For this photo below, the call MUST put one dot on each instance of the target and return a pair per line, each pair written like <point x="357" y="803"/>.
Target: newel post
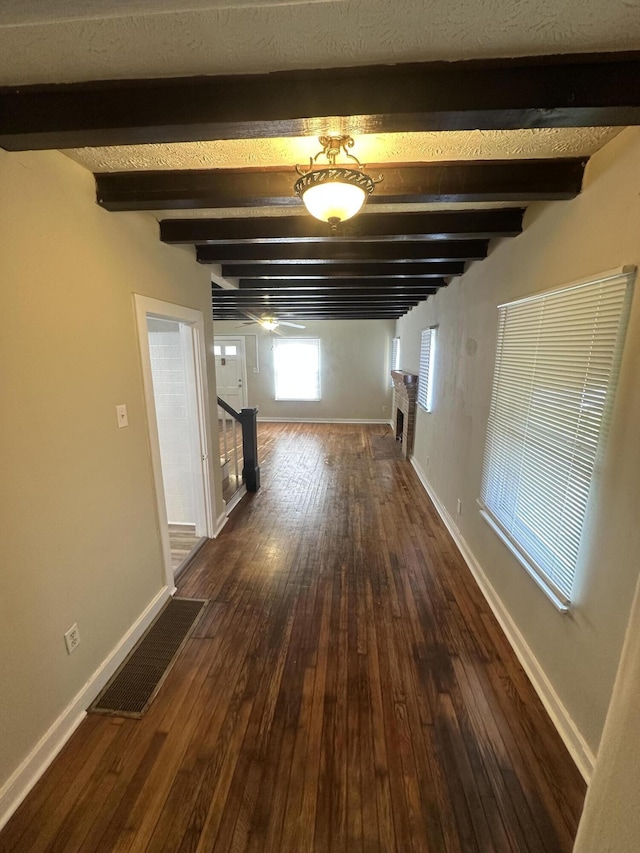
<point x="251" y="469"/>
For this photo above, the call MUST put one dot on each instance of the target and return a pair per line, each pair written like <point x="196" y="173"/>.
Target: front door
<point x="230" y="371"/>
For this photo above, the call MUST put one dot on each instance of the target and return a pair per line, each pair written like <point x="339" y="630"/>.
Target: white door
<point x="230" y="370"/>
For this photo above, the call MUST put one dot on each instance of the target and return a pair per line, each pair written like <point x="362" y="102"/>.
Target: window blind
<point x="425" y="370"/>
<point x="297" y="368"/>
<point x="556" y="366"/>
<point x="395" y="357"/>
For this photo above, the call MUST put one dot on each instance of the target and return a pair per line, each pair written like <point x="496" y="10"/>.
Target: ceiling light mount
<point x="336" y="193"/>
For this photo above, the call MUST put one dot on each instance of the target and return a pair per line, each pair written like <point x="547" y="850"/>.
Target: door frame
<point x="146" y="307"/>
<point x="243" y="348"/>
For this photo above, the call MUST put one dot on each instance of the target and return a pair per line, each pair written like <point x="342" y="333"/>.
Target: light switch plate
<point x="123" y="418"/>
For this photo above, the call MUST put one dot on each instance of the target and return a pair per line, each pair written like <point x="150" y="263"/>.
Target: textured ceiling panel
<point x="17" y="12"/>
<point x="380" y="148"/>
<point x="310" y="35"/>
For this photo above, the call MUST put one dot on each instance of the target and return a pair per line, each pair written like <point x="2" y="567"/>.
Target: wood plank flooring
<point x="347" y="690"/>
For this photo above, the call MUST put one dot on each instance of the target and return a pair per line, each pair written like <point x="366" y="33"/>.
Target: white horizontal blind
<point x="395" y="357"/>
<point x="425" y="371"/>
<point x="556" y="366"/>
<point x="297" y="368"/>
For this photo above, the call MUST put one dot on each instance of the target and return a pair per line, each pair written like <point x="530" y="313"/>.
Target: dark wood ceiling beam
<point x="455" y="181"/>
<point x="545" y="91"/>
<point x="275" y="271"/>
<point x="329" y="284"/>
<point x="330" y="253"/>
<point x="320" y="315"/>
<point x="431" y="225"/>
<point x="294" y="305"/>
<point x="334" y="293"/>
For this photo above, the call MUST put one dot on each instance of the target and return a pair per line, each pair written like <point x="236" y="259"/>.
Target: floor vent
<point x="133" y="687"/>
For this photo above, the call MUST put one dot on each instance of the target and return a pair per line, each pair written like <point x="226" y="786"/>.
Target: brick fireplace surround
<point x="405" y="387"/>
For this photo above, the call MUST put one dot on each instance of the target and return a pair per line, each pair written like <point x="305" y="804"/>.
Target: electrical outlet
<point x="72" y="638"/>
<point x="459" y="507"/>
<point x="384" y="410"/>
<point x="426" y="462"/>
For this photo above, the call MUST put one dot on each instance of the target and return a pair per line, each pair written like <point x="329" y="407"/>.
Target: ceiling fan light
<point x="269" y="324"/>
<point x="334" y="200"/>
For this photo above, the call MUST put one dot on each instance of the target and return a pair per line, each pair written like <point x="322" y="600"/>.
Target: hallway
<point x="348" y="689"/>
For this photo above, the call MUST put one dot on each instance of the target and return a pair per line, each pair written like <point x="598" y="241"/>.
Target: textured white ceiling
<point x="374" y="148"/>
<point x="314" y="34"/>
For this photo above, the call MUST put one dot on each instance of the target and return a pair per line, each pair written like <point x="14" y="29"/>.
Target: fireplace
<point x="405" y="391"/>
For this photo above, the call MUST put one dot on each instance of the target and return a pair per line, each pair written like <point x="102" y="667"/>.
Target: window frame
<point x="558" y="356"/>
<point x="425" y="387"/>
<point x="284" y="341"/>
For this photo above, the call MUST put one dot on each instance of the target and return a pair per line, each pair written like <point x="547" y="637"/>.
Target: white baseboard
<point x="324" y="420"/>
<point x="566" y="727"/>
<point x="34" y="765"/>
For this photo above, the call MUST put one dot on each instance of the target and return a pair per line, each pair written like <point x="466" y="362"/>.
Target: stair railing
<point x="248" y="420"/>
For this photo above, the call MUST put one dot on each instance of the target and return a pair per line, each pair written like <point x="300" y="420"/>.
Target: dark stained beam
<point x="320" y="315"/>
<point x="277" y="298"/>
<point x="455" y="181"/>
<point x="272" y="271"/>
<point x="330" y="253"/>
<point x="554" y="91"/>
<point x="431" y="225"/>
<point x="328" y="284"/>
<point x="337" y="300"/>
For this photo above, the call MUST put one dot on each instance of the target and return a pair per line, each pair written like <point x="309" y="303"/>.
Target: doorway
<point x="231" y="383"/>
<point x="172" y="350"/>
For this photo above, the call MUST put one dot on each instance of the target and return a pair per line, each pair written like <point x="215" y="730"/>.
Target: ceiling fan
<point x="270" y="323"/>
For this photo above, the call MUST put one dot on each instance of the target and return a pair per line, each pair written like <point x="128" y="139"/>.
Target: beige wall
<point x="562" y="242"/>
<point x="354" y="362"/>
<point x="80" y="541"/>
<point x="611" y="817"/>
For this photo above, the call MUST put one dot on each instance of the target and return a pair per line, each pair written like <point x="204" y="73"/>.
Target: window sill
<point x="557" y="602"/>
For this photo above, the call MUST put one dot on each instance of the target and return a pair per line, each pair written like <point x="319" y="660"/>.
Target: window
<point x="395" y="357"/>
<point x="217" y="349"/>
<point x="297" y="368"/>
<point x="556" y="366"/>
<point x="425" y="371"/>
<point x="231" y="350"/>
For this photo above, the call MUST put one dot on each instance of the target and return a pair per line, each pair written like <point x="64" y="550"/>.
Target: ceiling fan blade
<point x="293" y="325"/>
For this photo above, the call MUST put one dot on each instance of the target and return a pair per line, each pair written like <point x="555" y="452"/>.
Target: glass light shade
<point x="333" y="200"/>
<point x="270" y="325"/>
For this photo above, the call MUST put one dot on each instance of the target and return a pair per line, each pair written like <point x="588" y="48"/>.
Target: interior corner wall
<point x="80" y="536"/>
<point x="354" y="369"/>
<point x="562" y="242"/>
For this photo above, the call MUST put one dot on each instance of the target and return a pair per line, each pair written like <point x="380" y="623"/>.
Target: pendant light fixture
<point x="336" y="193"/>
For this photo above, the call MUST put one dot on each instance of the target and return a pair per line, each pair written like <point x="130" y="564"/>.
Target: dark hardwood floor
<point x="348" y="689"/>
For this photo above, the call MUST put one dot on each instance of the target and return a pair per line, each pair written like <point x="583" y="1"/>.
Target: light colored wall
<point x="354" y="362"/>
<point x="173" y="416"/>
<point x="611" y="818"/>
<point x="80" y="539"/>
<point x="561" y="242"/>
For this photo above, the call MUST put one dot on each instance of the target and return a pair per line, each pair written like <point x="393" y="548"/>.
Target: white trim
<point x="38" y="760"/>
<point x="565" y="726"/>
<point x="235" y="499"/>
<point x="220" y="523"/>
<point x="279" y="420"/>
<point x="146" y="307"/>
